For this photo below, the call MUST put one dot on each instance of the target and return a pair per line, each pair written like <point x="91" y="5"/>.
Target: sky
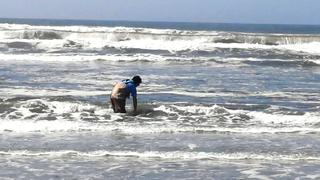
<point x="215" y="11"/>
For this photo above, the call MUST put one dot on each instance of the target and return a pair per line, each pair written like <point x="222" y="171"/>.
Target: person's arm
<point x="135" y="104"/>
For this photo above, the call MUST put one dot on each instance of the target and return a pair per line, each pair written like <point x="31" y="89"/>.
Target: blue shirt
<point x="132" y="87"/>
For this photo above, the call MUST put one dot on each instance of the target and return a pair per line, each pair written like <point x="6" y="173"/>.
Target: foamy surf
<point x="80" y="43"/>
<point x="175" y="155"/>
<point x="43" y="116"/>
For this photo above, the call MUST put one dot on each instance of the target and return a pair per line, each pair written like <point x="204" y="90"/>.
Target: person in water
<point x="121" y="91"/>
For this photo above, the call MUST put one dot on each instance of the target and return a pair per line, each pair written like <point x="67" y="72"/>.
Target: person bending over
<point x="121" y="91"/>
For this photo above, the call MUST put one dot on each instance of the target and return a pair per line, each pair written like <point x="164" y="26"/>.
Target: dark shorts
<point x="118" y="105"/>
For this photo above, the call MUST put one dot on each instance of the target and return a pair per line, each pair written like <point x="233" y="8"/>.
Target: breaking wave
<point x="36" y="115"/>
<point x="102" y="36"/>
<point x="82" y="43"/>
<point x="176" y="155"/>
<point x="125" y="34"/>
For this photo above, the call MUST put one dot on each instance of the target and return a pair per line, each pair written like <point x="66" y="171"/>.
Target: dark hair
<point x="137" y="80"/>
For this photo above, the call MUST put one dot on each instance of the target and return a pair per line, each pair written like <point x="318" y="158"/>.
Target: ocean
<point x="217" y="101"/>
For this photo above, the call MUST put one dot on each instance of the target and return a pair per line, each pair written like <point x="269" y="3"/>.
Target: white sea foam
<point x="91" y="57"/>
<point x="39" y="115"/>
<point x="306" y="120"/>
<point x="55" y="106"/>
<point x="44" y="126"/>
<point x="83" y="29"/>
<point x="54" y="37"/>
<point x="10" y="92"/>
<point x="312" y="47"/>
<point x="177" y="155"/>
<point x="137" y="57"/>
<point x="52" y="126"/>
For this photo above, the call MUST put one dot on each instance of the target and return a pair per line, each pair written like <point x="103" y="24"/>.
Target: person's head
<point x="137" y="80"/>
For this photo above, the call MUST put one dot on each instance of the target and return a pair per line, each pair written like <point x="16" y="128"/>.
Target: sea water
<point x="218" y="101"/>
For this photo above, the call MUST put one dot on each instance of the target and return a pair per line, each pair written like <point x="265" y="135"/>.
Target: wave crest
<point x="38" y="115"/>
<point x="46" y="35"/>
<point x="178" y="155"/>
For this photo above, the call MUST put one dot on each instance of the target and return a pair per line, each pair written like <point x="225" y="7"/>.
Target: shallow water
<point x="197" y="121"/>
<point x="227" y="113"/>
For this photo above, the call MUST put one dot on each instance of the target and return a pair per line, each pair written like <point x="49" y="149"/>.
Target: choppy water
<point x="213" y="104"/>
